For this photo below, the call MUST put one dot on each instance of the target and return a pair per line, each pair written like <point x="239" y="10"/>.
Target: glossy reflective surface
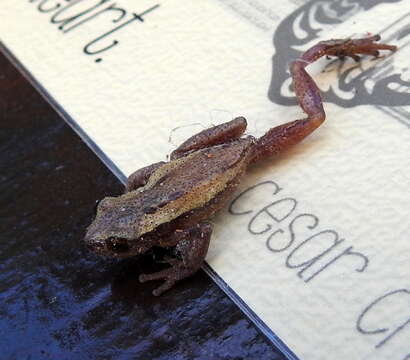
<point x="59" y="301"/>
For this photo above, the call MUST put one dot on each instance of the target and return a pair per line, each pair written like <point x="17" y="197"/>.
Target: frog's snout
<point x="95" y="245"/>
<point x="112" y="246"/>
<point x="93" y="242"/>
<point x="117" y="245"/>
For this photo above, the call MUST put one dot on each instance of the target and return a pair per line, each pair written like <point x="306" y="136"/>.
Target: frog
<point x="170" y="204"/>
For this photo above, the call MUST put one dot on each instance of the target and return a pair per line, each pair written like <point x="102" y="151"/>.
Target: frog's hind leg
<point x="140" y="177"/>
<point x="192" y="247"/>
<point x="219" y="134"/>
<point x="308" y="94"/>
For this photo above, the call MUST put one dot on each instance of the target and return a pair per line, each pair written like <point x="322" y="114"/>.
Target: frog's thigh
<point x="194" y="244"/>
<point x="140" y="177"/>
<point x="219" y="134"/>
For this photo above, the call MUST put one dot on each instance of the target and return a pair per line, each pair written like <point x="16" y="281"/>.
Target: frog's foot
<point x="171" y="276"/>
<point x="355" y="47"/>
<point x="192" y="246"/>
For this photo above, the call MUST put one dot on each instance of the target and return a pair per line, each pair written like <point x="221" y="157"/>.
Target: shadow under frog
<point x="311" y="19"/>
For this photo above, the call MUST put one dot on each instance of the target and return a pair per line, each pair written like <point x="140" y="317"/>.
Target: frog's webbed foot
<point x="192" y="247"/>
<point x="355" y="47"/>
<point x="140" y="177"/>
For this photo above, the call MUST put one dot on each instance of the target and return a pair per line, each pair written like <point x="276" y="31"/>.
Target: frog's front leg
<point x="219" y="134"/>
<point x="192" y="247"/>
<point x="140" y="177"/>
<point x="308" y="94"/>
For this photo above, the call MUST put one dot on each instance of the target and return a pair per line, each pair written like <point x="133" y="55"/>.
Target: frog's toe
<point x="170" y="275"/>
<point x="163" y="274"/>
<point x="164" y="287"/>
<point x="355" y="47"/>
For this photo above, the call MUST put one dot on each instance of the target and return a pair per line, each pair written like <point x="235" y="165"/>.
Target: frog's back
<point x="190" y="182"/>
<point x="202" y="165"/>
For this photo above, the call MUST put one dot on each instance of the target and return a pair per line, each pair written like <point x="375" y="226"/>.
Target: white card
<point x="316" y="242"/>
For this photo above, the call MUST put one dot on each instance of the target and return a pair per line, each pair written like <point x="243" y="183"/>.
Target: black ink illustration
<point x="387" y="84"/>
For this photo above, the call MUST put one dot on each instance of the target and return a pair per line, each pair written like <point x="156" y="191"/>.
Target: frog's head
<point x="116" y="229"/>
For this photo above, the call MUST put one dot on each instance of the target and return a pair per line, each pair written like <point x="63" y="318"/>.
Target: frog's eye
<point x="117" y="245"/>
<point x="96" y="206"/>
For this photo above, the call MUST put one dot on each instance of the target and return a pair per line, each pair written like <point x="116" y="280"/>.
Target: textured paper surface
<point x="316" y="242"/>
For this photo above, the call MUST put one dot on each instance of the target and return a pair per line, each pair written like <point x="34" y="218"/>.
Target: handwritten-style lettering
<point x="70" y="15"/>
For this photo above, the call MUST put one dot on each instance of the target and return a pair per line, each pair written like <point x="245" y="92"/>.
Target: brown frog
<point x="167" y="204"/>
